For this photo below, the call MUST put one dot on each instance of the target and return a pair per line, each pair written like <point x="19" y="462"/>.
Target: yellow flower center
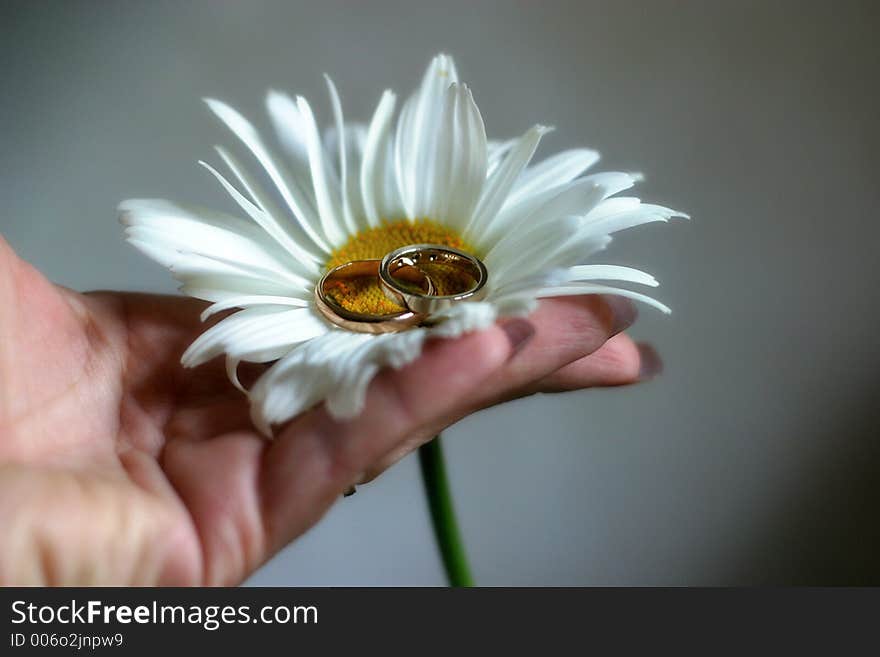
<point x="363" y="295"/>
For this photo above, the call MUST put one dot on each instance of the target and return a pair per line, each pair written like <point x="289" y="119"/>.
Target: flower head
<point x="430" y="176"/>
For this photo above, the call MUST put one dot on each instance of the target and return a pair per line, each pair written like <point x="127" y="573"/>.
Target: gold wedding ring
<point x="411" y="278"/>
<point x="464" y="277"/>
<point x="420" y="278"/>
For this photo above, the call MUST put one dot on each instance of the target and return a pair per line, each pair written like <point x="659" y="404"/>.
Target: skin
<point x="118" y="466"/>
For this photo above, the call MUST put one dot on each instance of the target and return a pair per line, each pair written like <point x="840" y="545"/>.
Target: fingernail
<point x="519" y="332"/>
<point x="623" y="312"/>
<point x="651" y="363"/>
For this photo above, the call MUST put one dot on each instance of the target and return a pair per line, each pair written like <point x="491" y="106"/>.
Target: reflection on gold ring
<point x="425" y="256"/>
<point x="334" y="312"/>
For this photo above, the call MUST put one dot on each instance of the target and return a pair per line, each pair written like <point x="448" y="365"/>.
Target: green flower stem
<point x="443" y="515"/>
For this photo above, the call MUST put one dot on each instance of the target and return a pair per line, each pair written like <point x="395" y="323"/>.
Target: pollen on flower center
<point x="364" y="295"/>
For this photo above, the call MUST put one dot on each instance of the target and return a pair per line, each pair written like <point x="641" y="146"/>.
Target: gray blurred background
<point x="752" y="460"/>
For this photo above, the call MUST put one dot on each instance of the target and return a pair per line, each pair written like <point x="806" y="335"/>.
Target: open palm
<point x="117" y="466"/>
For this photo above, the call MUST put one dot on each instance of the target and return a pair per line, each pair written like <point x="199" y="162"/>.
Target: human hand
<point x="118" y="466"/>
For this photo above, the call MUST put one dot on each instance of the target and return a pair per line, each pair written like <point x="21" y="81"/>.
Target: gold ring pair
<point x="403" y="275"/>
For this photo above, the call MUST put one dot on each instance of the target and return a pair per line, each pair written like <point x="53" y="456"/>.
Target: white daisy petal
<point x="580" y="248"/>
<point x="455" y="175"/>
<point x="590" y="288"/>
<point x="464" y="318"/>
<point x="556" y="170"/>
<point x="293" y="194"/>
<point x="291" y="130"/>
<point x="417" y="133"/>
<point x="250" y="300"/>
<point x="346" y="399"/>
<point x="137" y="210"/>
<point x="189" y="236"/>
<point x="300" y="379"/>
<point x="351" y="224"/>
<point x="193" y="242"/>
<point x="434" y="194"/>
<point x="616" y="214"/>
<point x="166" y="216"/>
<point x="210" y="258"/>
<point x="576" y="198"/>
<point x="577" y="273"/>
<point x="232" y="373"/>
<point x="380" y="196"/>
<point x="468" y="168"/>
<point x="258" y="334"/>
<point x="571" y="245"/>
<point x="328" y="203"/>
<point x="502" y="179"/>
<point x="522" y="252"/>
<point x="513" y="306"/>
<point x="272" y="341"/>
<point x="496" y="152"/>
<point x="611" y="273"/>
<point x="347" y="396"/>
<point x="164" y="256"/>
<point x="214" y="341"/>
<point x="403" y="145"/>
<point x="266" y="221"/>
<point x="272" y="219"/>
<point x="355" y="141"/>
<point x="218" y="287"/>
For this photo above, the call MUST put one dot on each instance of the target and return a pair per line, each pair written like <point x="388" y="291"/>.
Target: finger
<point x="316" y="457"/>
<point x="620" y="361"/>
<point x="567" y="330"/>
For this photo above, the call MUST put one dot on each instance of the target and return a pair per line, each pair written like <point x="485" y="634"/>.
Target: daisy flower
<point x="359" y="192"/>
